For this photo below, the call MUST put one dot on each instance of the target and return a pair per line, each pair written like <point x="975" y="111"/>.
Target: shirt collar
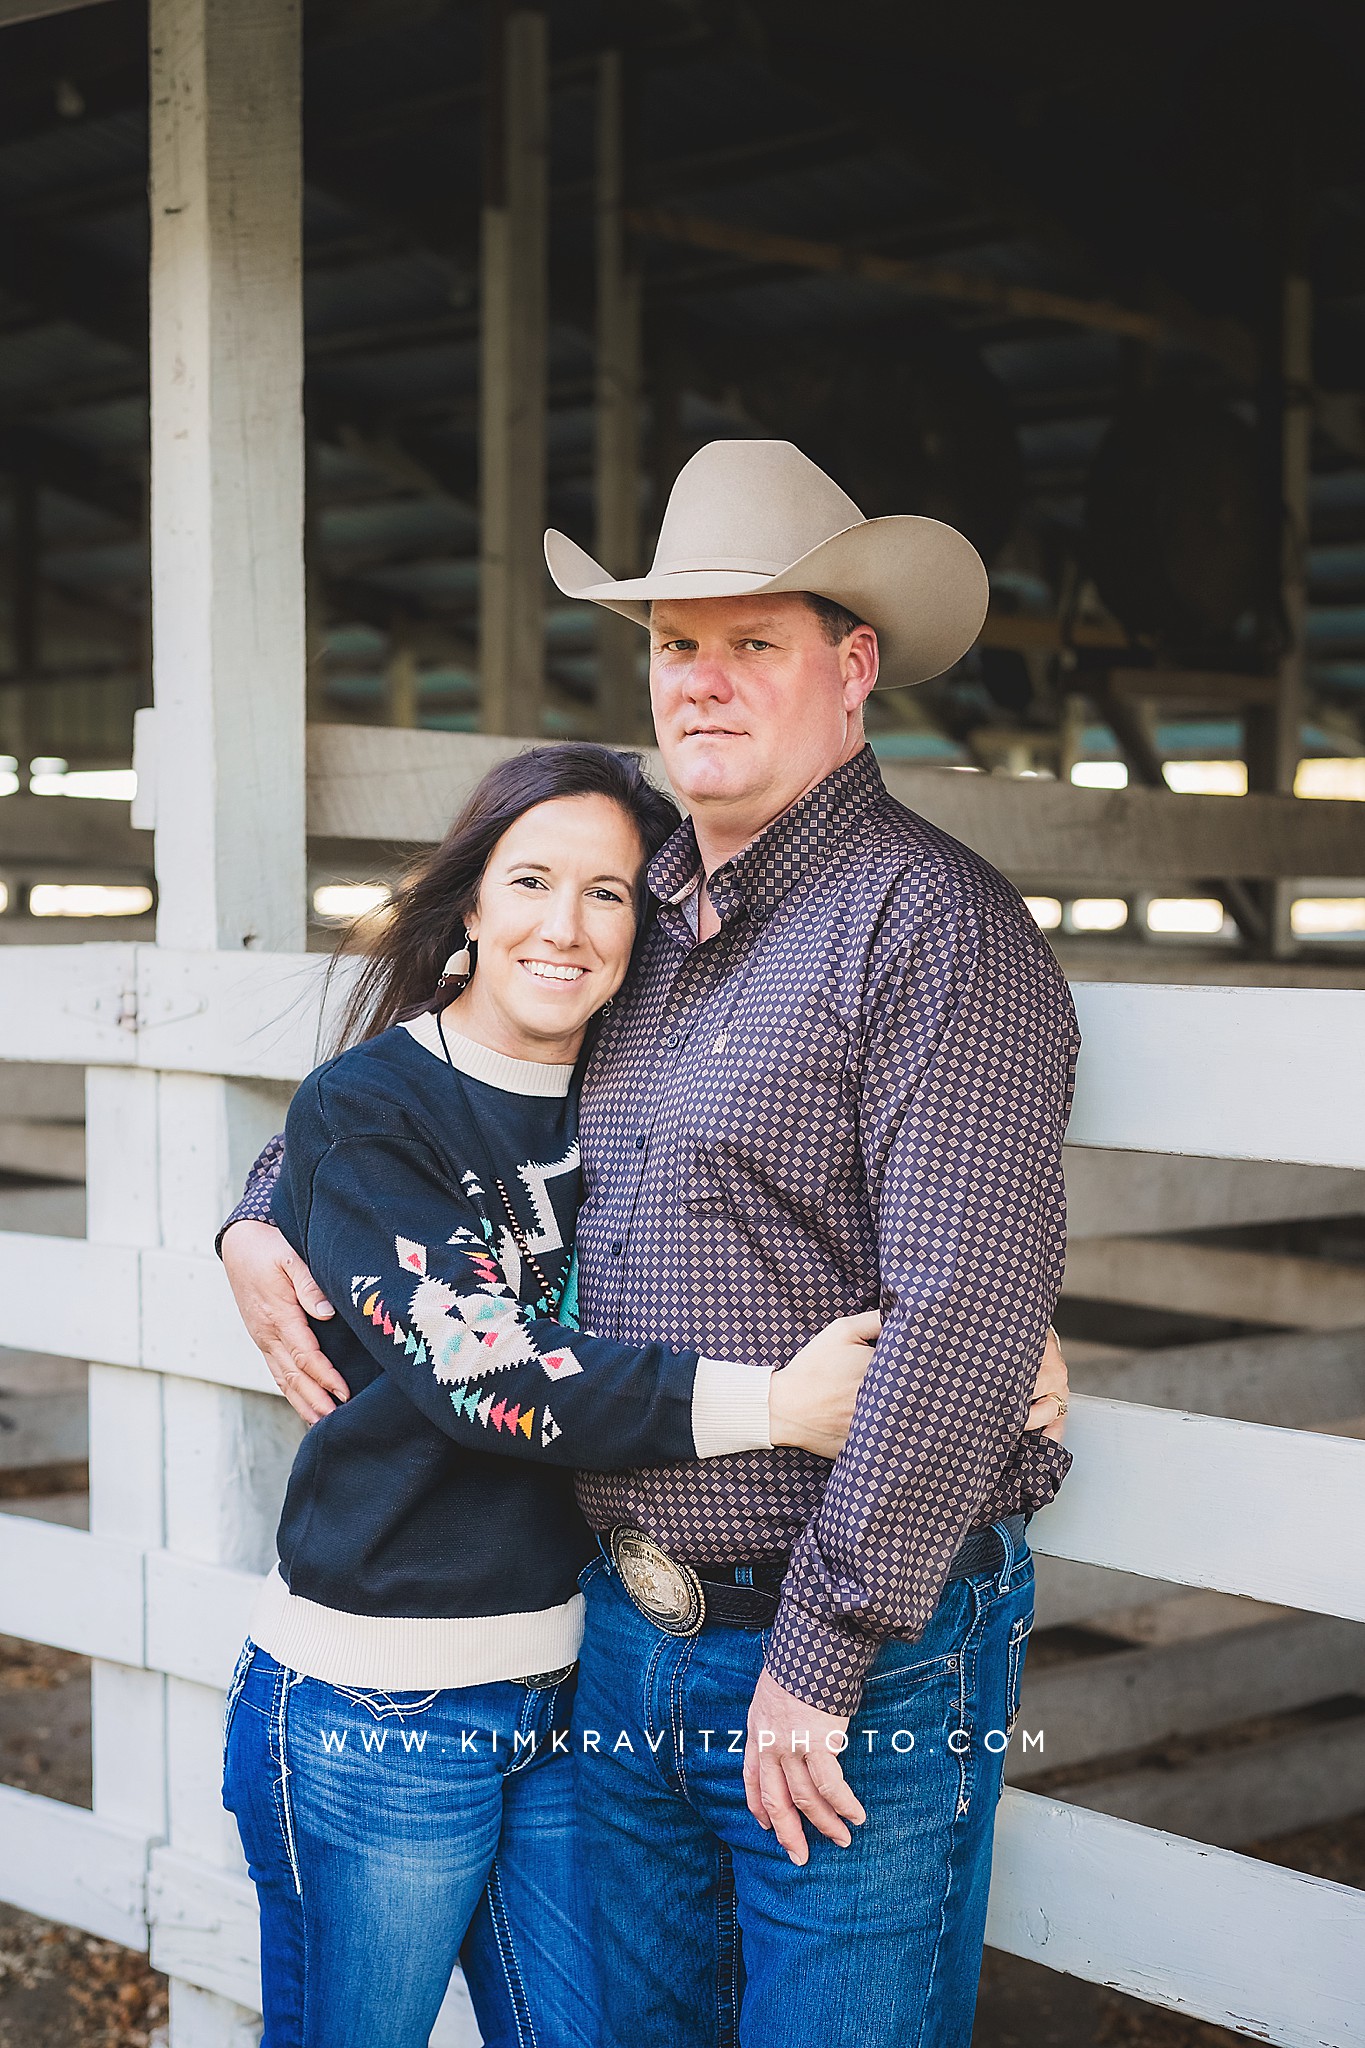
<point x="794" y="845"/>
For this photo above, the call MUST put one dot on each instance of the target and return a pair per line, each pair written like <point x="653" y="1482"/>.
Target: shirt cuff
<point x="730" y="1408"/>
<point x="821" y="1665"/>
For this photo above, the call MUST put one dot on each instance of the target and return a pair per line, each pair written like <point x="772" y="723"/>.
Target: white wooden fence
<point x="189" y="1047"/>
<point x="1201" y="1501"/>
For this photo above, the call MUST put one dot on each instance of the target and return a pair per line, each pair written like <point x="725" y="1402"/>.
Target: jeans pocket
<point x="1018" y="1647"/>
<point x="236" y="1687"/>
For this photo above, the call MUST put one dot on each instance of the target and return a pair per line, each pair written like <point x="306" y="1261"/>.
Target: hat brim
<point x="919" y="583"/>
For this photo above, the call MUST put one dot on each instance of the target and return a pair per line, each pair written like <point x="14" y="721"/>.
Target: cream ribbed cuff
<point x="730" y="1408"/>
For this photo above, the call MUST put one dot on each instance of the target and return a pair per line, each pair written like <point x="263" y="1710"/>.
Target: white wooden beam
<point x="1230" y="1073"/>
<point x="513" y="330"/>
<point x="72" y="1590"/>
<point x="366" y="783"/>
<point x="66" y="1865"/>
<point x="1200" y="1501"/>
<point x="67" y="1296"/>
<point x="1242" y="1944"/>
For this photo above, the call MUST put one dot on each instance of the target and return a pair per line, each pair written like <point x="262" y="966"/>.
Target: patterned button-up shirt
<point x="853" y="1094"/>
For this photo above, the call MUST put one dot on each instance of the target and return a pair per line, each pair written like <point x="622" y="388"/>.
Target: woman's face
<point x="555" y="923"/>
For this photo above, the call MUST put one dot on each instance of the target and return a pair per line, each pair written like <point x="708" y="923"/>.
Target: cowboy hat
<point x="751" y="516"/>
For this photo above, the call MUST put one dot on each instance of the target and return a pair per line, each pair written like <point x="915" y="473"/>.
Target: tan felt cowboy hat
<point x="749" y="516"/>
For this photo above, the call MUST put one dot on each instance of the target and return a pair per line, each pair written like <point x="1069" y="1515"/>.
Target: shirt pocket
<point x="771" y="1120"/>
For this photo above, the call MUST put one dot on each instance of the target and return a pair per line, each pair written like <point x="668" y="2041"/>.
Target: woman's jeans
<point x="389" y="1834"/>
<point x="874" y="1946"/>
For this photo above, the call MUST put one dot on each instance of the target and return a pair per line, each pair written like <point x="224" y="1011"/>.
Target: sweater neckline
<point x="495" y="1069"/>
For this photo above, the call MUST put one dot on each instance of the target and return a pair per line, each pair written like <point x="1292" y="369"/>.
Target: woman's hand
<point x="810" y="1401"/>
<point x="1051" y="1392"/>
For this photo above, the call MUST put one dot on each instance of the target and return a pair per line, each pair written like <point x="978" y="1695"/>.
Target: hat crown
<point x="752" y="506"/>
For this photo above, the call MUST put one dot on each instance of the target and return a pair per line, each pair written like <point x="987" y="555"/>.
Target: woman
<point x="396" y="1747"/>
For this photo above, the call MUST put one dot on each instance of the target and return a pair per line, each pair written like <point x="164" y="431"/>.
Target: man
<point x="840" y="1074"/>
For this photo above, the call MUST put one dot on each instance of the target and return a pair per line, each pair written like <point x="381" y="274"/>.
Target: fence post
<point x="229" y="662"/>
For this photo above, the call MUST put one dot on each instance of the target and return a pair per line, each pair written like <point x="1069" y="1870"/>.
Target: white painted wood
<point x="1234" y="1796"/>
<point x="126" y="1490"/>
<point x="64" y="1003"/>
<point x="1242" y="1944"/>
<point x="201" y="2019"/>
<point x="128" y="1746"/>
<point x="227" y="472"/>
<point x="197" y="1617"/>
<point x="66" y="1865"/>
<point x="67" y="1296"/>
<point x="204" y="1926"/>
<point x="1201" y="1501"/>
<point x="1210" y="1280"/>
<point x="1231" y="1073"/>
<point x="228" y="1456"/>
<point x="121" y="1166"/>
<point x="1134" y="1194"/>
<point x="68" y="1588"/>
<point x="1100" y="1706"/>
<point x="253" y="1014"/>
<point x="190" y="1323"/>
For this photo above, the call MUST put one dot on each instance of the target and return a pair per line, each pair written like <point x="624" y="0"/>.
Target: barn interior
<point x="1087" y="283"/>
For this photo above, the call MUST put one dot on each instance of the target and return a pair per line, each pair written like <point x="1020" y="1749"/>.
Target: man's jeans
<point x="706" y="1932"/>
<point x="386" y="1835"/>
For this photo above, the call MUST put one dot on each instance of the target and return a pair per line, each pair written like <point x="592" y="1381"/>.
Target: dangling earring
<point x="607" y="1007"/>
<point x="458" y="967"/>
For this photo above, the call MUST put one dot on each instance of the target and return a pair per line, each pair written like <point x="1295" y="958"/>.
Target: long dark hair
<point x="409" y="947"/>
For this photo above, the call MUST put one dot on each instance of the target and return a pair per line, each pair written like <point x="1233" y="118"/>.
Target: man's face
<point x="752" y="704"/>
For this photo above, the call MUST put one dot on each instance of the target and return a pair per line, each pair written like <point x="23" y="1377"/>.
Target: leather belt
<point x="681" y="1599"/>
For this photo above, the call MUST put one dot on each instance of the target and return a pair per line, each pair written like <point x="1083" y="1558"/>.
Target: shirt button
<point x="672" y="1038"/>
<point x="616" y="1249"/>
<point x="639" y="1144"/>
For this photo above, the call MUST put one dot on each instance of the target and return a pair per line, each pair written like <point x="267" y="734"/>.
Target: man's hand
<point x="1051" y="1391"/>
<point x="791" y="1762"/>
<point x="275" y="1295"/>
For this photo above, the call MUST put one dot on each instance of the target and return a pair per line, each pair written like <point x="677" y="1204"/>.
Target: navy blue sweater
<point x="443" y="1488"/>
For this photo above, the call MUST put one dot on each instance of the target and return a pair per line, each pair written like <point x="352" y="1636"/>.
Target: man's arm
<point x="276" y="1295"/>
<point x="969" y="1050"/>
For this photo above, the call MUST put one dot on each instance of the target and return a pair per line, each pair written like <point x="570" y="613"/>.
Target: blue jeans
<point x="707" y="1934"/>
<point x="389" y="1834"/>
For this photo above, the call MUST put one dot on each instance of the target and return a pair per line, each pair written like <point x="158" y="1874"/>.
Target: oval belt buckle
<point x="667" y="1593"/>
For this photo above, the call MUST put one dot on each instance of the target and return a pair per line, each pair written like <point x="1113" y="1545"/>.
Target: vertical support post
<point x="513" y="374"/>
<point x="400" y="677"/>
<point x="1296" y="431"/>
<point x="25" y="620"/>
<point x="227" y="472"/>
<point x="229" y="663"/>
<point x="1296" y="469"/>
<point x="618" y="412"/>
